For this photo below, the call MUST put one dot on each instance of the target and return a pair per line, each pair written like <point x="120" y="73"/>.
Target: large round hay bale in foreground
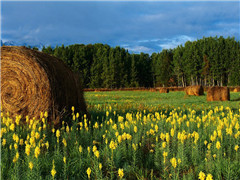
<point x="34" y="82"/>
<point x="194" y="90"/>
<point x="218" y="94"/>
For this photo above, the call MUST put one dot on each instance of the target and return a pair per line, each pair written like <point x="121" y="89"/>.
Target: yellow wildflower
<point x="120" y="119"/>
<point x="163" y="145"/>
<point x="27" y="149"/>
<point x="120" y="173"/>
<point x="32" y="140"/>
<point x="209" y="177"/>
<point x="167" y="137"/>
<point x="205" y="142"/>
<point x="15" y="146"/>
<point x="64" y="160"/>
<point x="162" y="136"/>
<point x="100" y="166"/>
<point x="236" y="148"/>
<point x="209" y="146"/>
<point x="94" y="148"/>
<point x="46" y="114"/>
<point x="53" y="171"/>
<point x="4" y="141"/>
<point x="16" y="157"/>
<point x="172" y="132"/>
<point x="134" y="147"/>
<point x="112" y="145"/>
<point x="67" y="129"/>
<point x="47" y="144"/>
<point x="129" y="137"/>
<point x="57" y="133"/>
<point x="96" y="153"/>
<point x="179" y="161"/>
<point x="12" y="127"/>
<point x="165" y="154"/>
<point x="37" y="135"/>
<point x="89" y="172"/>
<point x="218" y="145"/>
<point x="30" y="165"/>
<point x="96" y="125"/>
<point x="80" y="149"/>
<point x="174" y="162"/>
<point x="64" y="142"/>
<point x="37" y="152"/>
<point x="135" y="129"/>
<point x="201" y="176"/>
<point x="119" y="139"/>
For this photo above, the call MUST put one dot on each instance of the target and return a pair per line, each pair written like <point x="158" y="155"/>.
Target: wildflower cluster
<point x="174" y="143"/>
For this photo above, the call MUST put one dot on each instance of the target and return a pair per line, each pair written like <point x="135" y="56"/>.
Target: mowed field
<point x="131" y="135"/>
<point x="148" y="99"/>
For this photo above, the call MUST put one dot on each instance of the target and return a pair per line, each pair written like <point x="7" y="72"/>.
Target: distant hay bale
<point x="218" y="94"/>
<point x="194" y="90"/>
<point x="163" y="90"/>
<point x="237" y="89"/>
<point x="152" y="90"/>
<point x="34" y="82"/>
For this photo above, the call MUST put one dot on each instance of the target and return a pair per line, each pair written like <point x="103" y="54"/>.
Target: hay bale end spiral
<point x="34" y="82"/>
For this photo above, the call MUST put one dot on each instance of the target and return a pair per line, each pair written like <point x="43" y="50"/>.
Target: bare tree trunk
<point x="196" y="80"/>
<point x="183" y="81"/>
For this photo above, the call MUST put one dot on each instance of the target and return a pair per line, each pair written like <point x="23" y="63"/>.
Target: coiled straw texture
<point x="34" y="82"/>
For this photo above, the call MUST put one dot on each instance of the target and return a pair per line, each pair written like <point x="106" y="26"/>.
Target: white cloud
<point x="170" y="43"/>
<point x="138" y="49"/>
<point x="148" y="40"/>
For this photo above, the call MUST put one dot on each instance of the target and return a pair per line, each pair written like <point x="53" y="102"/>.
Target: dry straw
<point x="218" y="94"/>
<point x="34" y="82"/>
<point x="194" y="90"/>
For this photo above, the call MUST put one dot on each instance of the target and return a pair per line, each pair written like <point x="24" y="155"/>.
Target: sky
<point x="137" y="26"/>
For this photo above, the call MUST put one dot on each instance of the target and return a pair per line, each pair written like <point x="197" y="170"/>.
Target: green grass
<point x="142" y="126"/>
<point x="155" y="99"/>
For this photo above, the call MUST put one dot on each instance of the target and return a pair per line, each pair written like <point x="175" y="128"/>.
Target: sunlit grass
<point x="125" y="140"/>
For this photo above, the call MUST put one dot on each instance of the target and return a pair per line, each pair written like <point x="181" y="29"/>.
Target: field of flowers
<point x="125" y="141"/>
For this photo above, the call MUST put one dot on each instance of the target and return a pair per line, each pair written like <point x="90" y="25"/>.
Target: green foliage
<point x="207" y="61"/>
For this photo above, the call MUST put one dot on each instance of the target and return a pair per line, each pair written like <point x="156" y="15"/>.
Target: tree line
<point x="208" y="61"/>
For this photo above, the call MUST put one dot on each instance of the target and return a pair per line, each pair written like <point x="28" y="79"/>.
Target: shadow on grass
<point x="238" y="99"/>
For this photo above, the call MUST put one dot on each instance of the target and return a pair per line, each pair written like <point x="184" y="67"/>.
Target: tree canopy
<point x="208" y="61"/>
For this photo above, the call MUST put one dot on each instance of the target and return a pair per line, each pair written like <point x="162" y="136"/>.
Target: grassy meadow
<point x="131" y="135"/>
<point x="140" y="99"/>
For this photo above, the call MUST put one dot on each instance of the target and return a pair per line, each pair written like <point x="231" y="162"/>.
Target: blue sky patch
<point x="138" y="26"/>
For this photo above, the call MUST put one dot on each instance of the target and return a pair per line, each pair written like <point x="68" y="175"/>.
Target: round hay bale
<point x="237" y="89"/>
<point x="34" y="82"/>
<point x="163" y="90"/>
<point x="194" y="90"/>
<point x="218" y="94"/>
